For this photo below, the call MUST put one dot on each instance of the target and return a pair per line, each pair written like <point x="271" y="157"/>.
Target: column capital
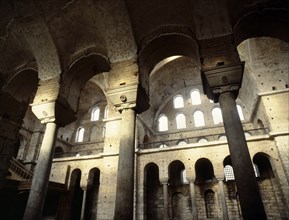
<point x="53" y="111"/>
<point x="44" y="111"/>
<point x="219" y="178"/>
<point x="224" y="78"/>
<point x="164" y="181"/>
<point x="125" y="107"/>
<point x="127" y="97"/>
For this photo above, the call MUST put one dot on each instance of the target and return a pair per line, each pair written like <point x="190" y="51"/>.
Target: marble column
<point x="125" y="176"/>
<point x="250" y="198"/>
<point x="40" y="180"/>
<point x="193" y="199"/>
<point x="166" y="204"/>
<point x="223" y="200"/>
<point x="82" y="216"/>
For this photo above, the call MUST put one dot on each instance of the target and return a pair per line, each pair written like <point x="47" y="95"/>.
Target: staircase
<point x="18" y="171"/>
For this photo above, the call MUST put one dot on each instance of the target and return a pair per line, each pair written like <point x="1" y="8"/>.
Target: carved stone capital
<point x="45" y="112"/>
<point x="220" y="79"/>
<point x="127" y="97"/>
<point x="53" y="111"/>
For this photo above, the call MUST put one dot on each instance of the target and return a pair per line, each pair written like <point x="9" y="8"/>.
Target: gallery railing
<point x="19" y="169"/>
<point x="199" y="139"/>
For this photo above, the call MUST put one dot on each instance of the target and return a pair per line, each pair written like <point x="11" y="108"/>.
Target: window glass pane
<point x="181" y="121"/>
<point x="229" y="173"/>
<point x="178" y="101"/>
<point x="199" y="119"/>
<point x="196" y="97"/>
<point x="240" y="112"/>
<point x="80" y="135"/>
<point x="202" y="140"/>
<point x="95" y="114"/>
<point x="163" y="145"/>
<point x="106" y="112"/>
<point x="163" y="123"/>
<point x="217" y="116"/>
<point x="184" y="177"/>
<point x="182" y="143"/>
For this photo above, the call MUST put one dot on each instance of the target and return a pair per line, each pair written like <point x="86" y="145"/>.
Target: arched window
<point x="240" y="112"/>
<point x="217" y="115"/>
<point x="105" y="112"/>
<point x="184" y="177"/>
<point x="264" y="166"/>
<point x="182" y="143"/>
<point x="79" y="134"/>
<point x="178" y="101"/>
<point x="223" y="138"/>
<point x="199" y="119"/>
<point x="175" y="173"/>
<point x="204" y="171"/>
<point x="163" y="123"/>
<point x="196" y="97"/>
<point x="163" y="146"/>
<point x="202" y="140"/>
<point x="229" y="173"/>
<point x="181" y="121"/>
<point x="95" y="114"/>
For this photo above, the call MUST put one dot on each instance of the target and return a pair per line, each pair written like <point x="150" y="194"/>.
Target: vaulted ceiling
<point x="49" y="36"/>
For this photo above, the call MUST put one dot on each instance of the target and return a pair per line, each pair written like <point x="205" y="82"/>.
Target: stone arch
<point x="22" y="85"/>
<point x="73" y="199"/>
<point x="175" y="169"/>
<point x="44" y="48"/>
<point x="271" y="22"/>
<point x="233" y="206"/>
<point x="270" y="189"/>
<point x="79" y="73"/>
<point x="179" y="190"/>
<point x="163" y="46"/>
<point x="152" y="192"/>
<point x="93" y="184"/>
<point x="15" y="96"/>
<point x="204" y="171"/>
<point x="262" y="160"/>
<point x="228" y="169"/>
